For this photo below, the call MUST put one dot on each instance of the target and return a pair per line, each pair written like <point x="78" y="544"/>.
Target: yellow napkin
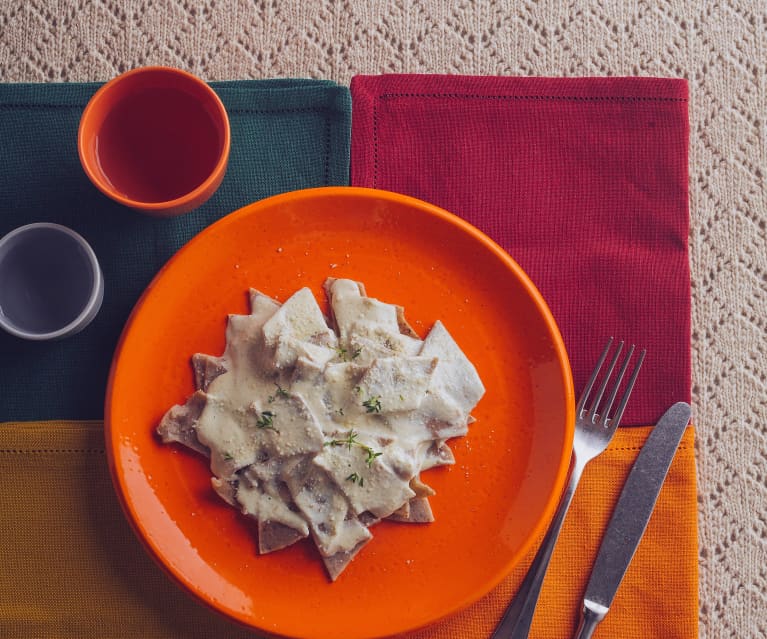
<point x="70" y="565"/>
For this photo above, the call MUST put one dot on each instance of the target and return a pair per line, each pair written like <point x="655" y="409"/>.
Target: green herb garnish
<point x="266" y="420"/>
<point x="354" y="478"/>
<point x="351" y="440"/>
<point x="371" y="456"/>
<point x="344" y="355"/>
<point x="281" y="392"/>
<point x="373" y="404"/>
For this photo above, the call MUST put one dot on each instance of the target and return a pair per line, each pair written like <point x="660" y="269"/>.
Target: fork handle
<point x="516" y="621"/>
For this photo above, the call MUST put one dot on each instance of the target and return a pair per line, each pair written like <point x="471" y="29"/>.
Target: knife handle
<point x="590" y="618"/>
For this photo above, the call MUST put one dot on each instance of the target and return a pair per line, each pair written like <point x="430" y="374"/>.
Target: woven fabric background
<point x="720" y="46"/>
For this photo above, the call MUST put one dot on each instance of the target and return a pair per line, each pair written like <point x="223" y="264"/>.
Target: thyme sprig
<point x="371" y="456"/>
<point x="373" y="404"/>
<point x="266" y="420"/>
<point x="351" y="440"/>
<point x="354" y="478"/>
<point x="344" y="355"/>
<point x="281" y="392"/>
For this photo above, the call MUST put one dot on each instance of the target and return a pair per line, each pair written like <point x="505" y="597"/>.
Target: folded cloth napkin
<point x="584" y="182"/>
<point x="70" y="566"/>
<point x="286" y="135"/>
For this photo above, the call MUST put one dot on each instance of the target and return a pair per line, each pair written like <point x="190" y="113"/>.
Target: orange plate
<point x="490" y="505"/>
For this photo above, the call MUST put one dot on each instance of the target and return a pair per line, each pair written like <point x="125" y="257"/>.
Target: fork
<point x="594" y="428"/>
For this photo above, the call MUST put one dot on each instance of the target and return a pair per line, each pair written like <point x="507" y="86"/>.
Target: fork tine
<point x="587" y="390"/>
<point x="617" y="385"/>
<point x="622" y="406"/>
<point x="593" y="412"/>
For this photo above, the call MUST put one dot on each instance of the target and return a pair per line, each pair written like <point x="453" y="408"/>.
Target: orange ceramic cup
<point x="155" y="139"/>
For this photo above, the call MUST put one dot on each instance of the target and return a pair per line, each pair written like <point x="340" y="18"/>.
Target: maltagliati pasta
<point x="322" y="428"/>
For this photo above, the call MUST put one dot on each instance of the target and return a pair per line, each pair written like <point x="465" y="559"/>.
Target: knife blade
<point x="631" y="515"/>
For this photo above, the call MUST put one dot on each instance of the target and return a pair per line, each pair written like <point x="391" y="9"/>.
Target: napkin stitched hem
<point x="475" y="96"/>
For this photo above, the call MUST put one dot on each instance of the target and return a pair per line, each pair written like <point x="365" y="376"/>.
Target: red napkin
<point x="582" y="180"/>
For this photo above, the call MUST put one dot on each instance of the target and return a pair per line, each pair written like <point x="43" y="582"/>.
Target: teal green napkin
<point x="286" y="135"/>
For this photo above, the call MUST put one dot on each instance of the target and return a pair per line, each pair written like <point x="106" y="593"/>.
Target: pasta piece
<point x="179" y="423"/>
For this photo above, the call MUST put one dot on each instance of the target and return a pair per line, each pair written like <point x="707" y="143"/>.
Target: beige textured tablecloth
<point x="719" y="46"/>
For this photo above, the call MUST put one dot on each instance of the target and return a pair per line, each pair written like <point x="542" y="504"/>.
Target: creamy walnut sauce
<point x="322" y="429"/>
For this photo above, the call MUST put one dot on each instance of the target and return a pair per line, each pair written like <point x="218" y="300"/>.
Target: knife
<point x="631" y="515"/>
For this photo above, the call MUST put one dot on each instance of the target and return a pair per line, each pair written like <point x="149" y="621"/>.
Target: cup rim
<point x="94" y="299"/>
<point x="167" y="205"/>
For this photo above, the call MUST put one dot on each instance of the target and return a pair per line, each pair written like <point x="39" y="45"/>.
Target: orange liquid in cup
<point x="162" y="145"/>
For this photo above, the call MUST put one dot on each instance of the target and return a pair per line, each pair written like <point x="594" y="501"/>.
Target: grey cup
<point x="51" y="284"/>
